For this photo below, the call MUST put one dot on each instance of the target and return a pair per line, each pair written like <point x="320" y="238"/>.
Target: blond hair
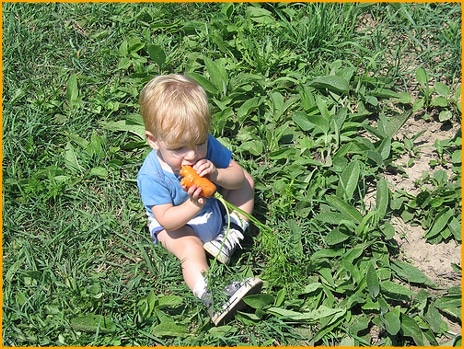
<point x="175" y="110"/>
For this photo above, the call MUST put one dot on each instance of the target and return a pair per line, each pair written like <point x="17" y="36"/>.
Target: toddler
<point x="177" y="122"/>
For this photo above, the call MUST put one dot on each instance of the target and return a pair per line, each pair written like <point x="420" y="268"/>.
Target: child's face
<point x="181" y="154"/>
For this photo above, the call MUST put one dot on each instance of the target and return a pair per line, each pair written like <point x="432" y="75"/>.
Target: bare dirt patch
<point x="434" y="260"/>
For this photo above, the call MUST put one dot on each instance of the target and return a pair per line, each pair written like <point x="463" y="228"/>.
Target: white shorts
<point x="207" y="226"/>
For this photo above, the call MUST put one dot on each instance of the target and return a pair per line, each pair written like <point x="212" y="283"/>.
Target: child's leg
<point x="223" y="246"/>
<point x="243" y="198"/>
<point x="188" y="248"/>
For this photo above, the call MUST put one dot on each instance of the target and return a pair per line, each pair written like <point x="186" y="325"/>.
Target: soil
<point x="434" y="260"/>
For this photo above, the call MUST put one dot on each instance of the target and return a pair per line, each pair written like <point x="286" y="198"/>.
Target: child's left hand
<point x="205" y="168"/>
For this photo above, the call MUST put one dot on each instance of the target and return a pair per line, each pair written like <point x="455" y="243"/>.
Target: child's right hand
<point x="194" y="193"/>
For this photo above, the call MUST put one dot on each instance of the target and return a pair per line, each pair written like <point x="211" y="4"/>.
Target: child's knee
<point x="249" y="180"/>
<point x="180" y="242"/>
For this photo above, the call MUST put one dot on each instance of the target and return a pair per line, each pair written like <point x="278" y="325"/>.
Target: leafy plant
<point x="311" y="98"/>
<point x="438" y="96"/>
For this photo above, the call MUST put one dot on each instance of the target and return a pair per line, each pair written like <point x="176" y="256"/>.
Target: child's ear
<point x="151" y="140"/>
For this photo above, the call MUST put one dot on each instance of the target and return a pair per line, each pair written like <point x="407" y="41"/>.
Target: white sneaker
<point x="236" y="292"/>
<point x="225" y="244"/>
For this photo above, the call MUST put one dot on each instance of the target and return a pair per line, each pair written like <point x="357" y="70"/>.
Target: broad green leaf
<point x="410" y="328"/>
<point x="388" y="230"/>
<point x="385" y="148"/>
<point x="418" y="105"/>
<point x="439" y="101"/>
<point x="410" y="273"/>
<point x="254" y="147"/>
<point x="249" y="106"/>
<point x="217" y="74"/>
<point x="152" y="300"/>
<point x="162" y="316"/>
<point x="277" y="104"/>
<point x="325" y="312"/>
<point x="334" y="218"/>
<point x="335" y="237"/>
<point x="332" y="83"/>
<point x="328" y="326"/>
<point x="441" y="177"/>
<point x="135" y="45"/>
<point x="312" y="316"/>
<point x="157" y="54"/>
<point x="343" y="207"/>
<point x="205" y="83"/>
<point x="354" y="253"/>
<point x="72" y="91"/>
<point x="280" y="297"/>
<point x="220" y="331"/>
<point x="385" y="93"/>
<point x="93" y="323"/>
<point x="324" y="110"/>
<point x="326" y="275"/>
<point x="456" y="157"/>
<point x="395" y="290"/>
<point x="169" y="301"/>
<point x="125" y="126"/>
<point x="302" y="121"/>
<point x="404" y="97"/>
<point x="375" y="156"/>
<point x="284" y="153"/>
<point x="421" y="76"/>
<point x="392" y="321"/>
<point x="320" y="122"/>
<point x="454" y="226"/>
<point x="372" y="282"/>
<point x="70" y="159"/>
<point x="442" y="89"/>
<point x="433" y="317"/>
<point x="326" y="253"/>
<point x="451" y="300"/>
<point x="311" y="287"/>
<point x="99" y="172"/>
<point x="349" y="180"/>
<point x="250" y="318"/>
<point x="260" y="15"/>
<point x="96" y="145"/>
<point x="287" y="314"/>
<point x="258" y="301"/>
<point x="170" y="329"/>
<point x="439" y="223"/>
<point x="228" y="9"/>
<point x="445" y="115"/>
<point x="396" y="122"/>
<point x="382" y="198"/>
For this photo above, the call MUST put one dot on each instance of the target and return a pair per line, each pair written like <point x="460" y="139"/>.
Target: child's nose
<point x="191" y="154"/>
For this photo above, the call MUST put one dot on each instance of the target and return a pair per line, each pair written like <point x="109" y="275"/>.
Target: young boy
<point x="177" y="121"/>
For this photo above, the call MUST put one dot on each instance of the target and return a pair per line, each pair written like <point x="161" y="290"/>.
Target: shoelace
<point x="233" y="238"/>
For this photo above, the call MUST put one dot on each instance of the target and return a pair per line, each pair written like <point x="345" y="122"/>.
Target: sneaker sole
<point x="216" y="253"/>
<point x="251" y="286"/>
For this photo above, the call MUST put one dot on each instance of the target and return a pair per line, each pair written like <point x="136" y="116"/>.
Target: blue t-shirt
<point x="159" y="187"/>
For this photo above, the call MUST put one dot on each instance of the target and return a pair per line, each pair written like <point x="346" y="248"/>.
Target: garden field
<point x="348" y="117"/>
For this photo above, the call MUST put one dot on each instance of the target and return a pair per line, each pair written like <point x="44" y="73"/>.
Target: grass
<point x="309" y="97"/>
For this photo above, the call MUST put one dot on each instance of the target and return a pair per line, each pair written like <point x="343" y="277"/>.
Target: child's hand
<point x="195" y="195"/>
<point x="205" y="168"/>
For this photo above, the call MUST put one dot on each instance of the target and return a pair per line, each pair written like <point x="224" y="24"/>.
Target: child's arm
<point x="172" y="217"/>
<point x="231" y="177"/>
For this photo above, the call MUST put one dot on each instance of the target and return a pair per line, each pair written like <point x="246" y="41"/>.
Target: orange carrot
<point x="191" y="177"/>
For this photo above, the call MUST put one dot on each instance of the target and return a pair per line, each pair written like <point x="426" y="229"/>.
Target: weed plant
<point x="309" y="96"/>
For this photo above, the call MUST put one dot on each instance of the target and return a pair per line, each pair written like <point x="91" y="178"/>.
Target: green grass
<point x="309" y="97"/>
